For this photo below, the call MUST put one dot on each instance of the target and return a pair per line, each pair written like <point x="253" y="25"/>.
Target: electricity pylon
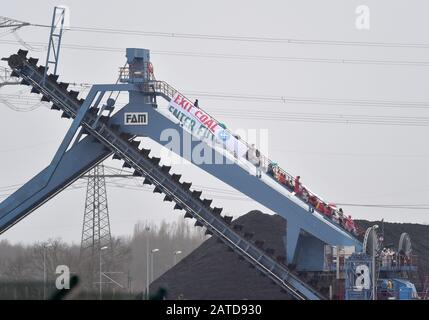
<point x="6" y="22"/>
<point x="96" y="244"/>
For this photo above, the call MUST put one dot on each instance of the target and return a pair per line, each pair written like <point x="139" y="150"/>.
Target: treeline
<point x="126" y="264"/>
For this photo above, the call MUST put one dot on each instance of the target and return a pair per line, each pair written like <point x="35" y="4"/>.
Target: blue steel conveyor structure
<point x="98" y="131"/>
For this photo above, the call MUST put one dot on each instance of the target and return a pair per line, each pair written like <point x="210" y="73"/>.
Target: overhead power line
<point x="269" y="115"/>
<point x="42" y="46"/>
<point x="252" y="39"/>
<point x="309" y="100"/>
<point x="224" y="195"/>
<point x="6" y="22"/>
<point x="298" y="117"/>
<point x="279" y="99"/>
<point x="388" y="206"/>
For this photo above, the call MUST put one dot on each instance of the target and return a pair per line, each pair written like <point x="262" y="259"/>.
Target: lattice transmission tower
<point x="96" y="243"/>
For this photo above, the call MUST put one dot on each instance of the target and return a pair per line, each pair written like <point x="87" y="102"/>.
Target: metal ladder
<point x="160" y="177"/>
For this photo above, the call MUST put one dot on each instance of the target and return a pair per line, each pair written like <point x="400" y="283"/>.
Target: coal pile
<point x="213" y="272"/>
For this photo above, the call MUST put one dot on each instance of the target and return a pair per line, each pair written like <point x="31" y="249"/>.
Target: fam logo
<point x="135" y="118"/>
<point x="223" y="135"/>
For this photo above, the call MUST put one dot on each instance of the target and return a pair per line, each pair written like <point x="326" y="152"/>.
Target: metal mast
<point x="55" y="37"/>
<point x="96" y="226"/>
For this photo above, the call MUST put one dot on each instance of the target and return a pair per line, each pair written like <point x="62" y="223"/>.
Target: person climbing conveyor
<point x="294" y="185"/>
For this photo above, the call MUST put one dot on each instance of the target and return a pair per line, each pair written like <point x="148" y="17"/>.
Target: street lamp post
<point x="147" y="263"/>
<point x="374" y="253"/>
<point x="151" y="258"/>
<point x="101" y="286"/>
<point x="45" y="246"/>
<point x="176" y="253"/>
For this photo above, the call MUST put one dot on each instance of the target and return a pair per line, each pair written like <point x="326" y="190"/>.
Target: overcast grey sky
<point x="344" y="163"/>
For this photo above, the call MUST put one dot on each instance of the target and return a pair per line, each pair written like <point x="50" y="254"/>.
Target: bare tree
<point x="126" y="265"/>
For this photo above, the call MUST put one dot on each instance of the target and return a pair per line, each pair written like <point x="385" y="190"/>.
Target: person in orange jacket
<point x="320" y="207"/>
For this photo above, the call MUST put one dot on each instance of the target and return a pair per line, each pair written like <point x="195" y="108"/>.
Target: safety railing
<point x="396" y="262"/>
<point x="270" y="167"/>
<point x="127" y="74"/>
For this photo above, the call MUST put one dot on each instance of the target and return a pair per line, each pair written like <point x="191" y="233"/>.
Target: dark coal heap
<point x="213" y="272"/>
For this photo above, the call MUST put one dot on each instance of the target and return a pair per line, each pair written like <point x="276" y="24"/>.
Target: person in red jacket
<point x="328" y="211"/>
<point x="282" y="178"/>
<point x="350" y="225"/>
<point x="296" y="188"/>
<point x="312" y="200"/>
<point x="320" y="206"/>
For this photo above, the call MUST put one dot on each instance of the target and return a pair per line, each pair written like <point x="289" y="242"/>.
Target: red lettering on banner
<point x="183" y="103"/>
<point x="209" y="123"/>
<point x="176" y="101"/>
<point x="205" y="119"/>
